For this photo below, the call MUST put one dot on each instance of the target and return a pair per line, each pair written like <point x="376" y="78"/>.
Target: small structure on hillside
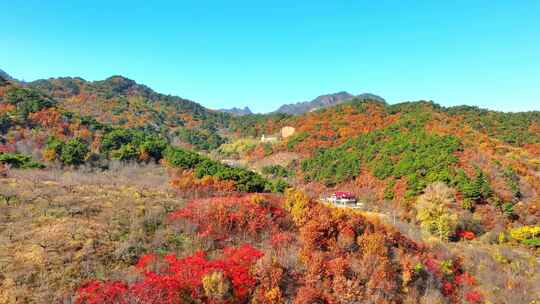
<point x="342" y="198"/>
<point x="287" y="131"/>
<point x="268" y="139"/>
<point x="230" y="162"/>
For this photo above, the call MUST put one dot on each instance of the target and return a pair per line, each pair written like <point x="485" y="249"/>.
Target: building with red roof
<point x="342" y="197"/>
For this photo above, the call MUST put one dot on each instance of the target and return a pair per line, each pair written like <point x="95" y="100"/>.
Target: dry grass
<point x="59" y="228"/>
<point x="280" y="158"/>
<point x="505" y="274"/>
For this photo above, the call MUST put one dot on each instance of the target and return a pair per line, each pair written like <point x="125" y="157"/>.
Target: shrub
<point x="238" y="147"/>
<point x="54" y="144"/>
<point x="115" y="139"/>
<point x="527" y="235"/>
<point x="154" y="146"/>
<point x="277" y="186"/>
<point x="186" y="182"/>
<point x="275" y="171"/>
<point x="296" y="139"/>
<point x="228" y="216"/>
<point x="187" y="280"/>
<point x="74" y="152"/>
<point x="201" y="139"/>
<point x="5" y="123"/>
<point x="17" y="160"/>
<point x="95" y="292"/>
<point x="473" y="297"/>
<point x="245" y="180"/>
<point x="217" y="286"/>
<point x="131" y="144"/>
<point x="125" y="152"/>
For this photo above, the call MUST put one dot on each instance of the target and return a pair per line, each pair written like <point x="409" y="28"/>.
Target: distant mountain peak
<point x="237" y="111"/>
<point x="323" y="101"/>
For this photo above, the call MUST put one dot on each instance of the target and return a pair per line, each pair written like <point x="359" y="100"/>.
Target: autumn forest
<point x="113" y="193"/>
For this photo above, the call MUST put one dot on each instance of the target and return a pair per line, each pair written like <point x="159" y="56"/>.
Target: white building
<point x="268" y="138"/>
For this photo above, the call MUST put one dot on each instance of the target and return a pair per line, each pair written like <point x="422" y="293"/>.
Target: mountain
<point x="123" y="102"/>
<point x="237" y="111"/>
<point x="319" y="102"/>
<point x="395" y="151"/>
<point x="5" y="75"/>
<point x="322" y="101"/>
<point x="443" y="186"/>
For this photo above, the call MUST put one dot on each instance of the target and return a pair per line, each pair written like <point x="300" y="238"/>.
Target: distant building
<point x="265" y="138"/>
<point x="230" y="162"/>
<point x="344" y="198"/>
<point x="287" y="131"/>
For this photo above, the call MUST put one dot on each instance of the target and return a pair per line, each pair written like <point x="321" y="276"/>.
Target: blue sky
<point x="266" y="53"/>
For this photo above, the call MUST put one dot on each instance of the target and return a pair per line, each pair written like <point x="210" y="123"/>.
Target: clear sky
<point x="266" y="53"/>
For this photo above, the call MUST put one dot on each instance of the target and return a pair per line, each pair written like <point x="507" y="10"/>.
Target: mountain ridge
<point x="5" y="75"/>
<point x="120" y="100"/>
<point x="237" y="111"/>
<point x="323" y="101"/>
<point x="348" y="96"/>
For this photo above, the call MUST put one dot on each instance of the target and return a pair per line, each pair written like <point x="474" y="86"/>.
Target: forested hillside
<point x="113" y="193"/>
<point x="35" y="124"/>
<point x="122" y="102"/>
<point x="393" y="152"/>
<point x="117" y="99"/>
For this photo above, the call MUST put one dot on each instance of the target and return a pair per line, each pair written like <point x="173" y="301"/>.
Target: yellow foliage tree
<point x="433" y="213"/>
<point x="296" y="203"/>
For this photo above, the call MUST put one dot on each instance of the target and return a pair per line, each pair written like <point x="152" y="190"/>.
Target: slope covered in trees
<point x="102" y="202"/>
<point x="118" y="94"/>
<point x="513" y="128"/>
<point x="122" y="102"/>
<point x="389" y="155"/>
<point x="56" y="135"/>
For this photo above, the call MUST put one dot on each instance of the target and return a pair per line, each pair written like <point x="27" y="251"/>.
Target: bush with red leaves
<point x="171" y="280"/>
<point x="346" y="257"/>
<point x="466" y="235"/>
<point x="474" y="297"/>
<point x="223" y="217"/>
<point x="95" y="292"/>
